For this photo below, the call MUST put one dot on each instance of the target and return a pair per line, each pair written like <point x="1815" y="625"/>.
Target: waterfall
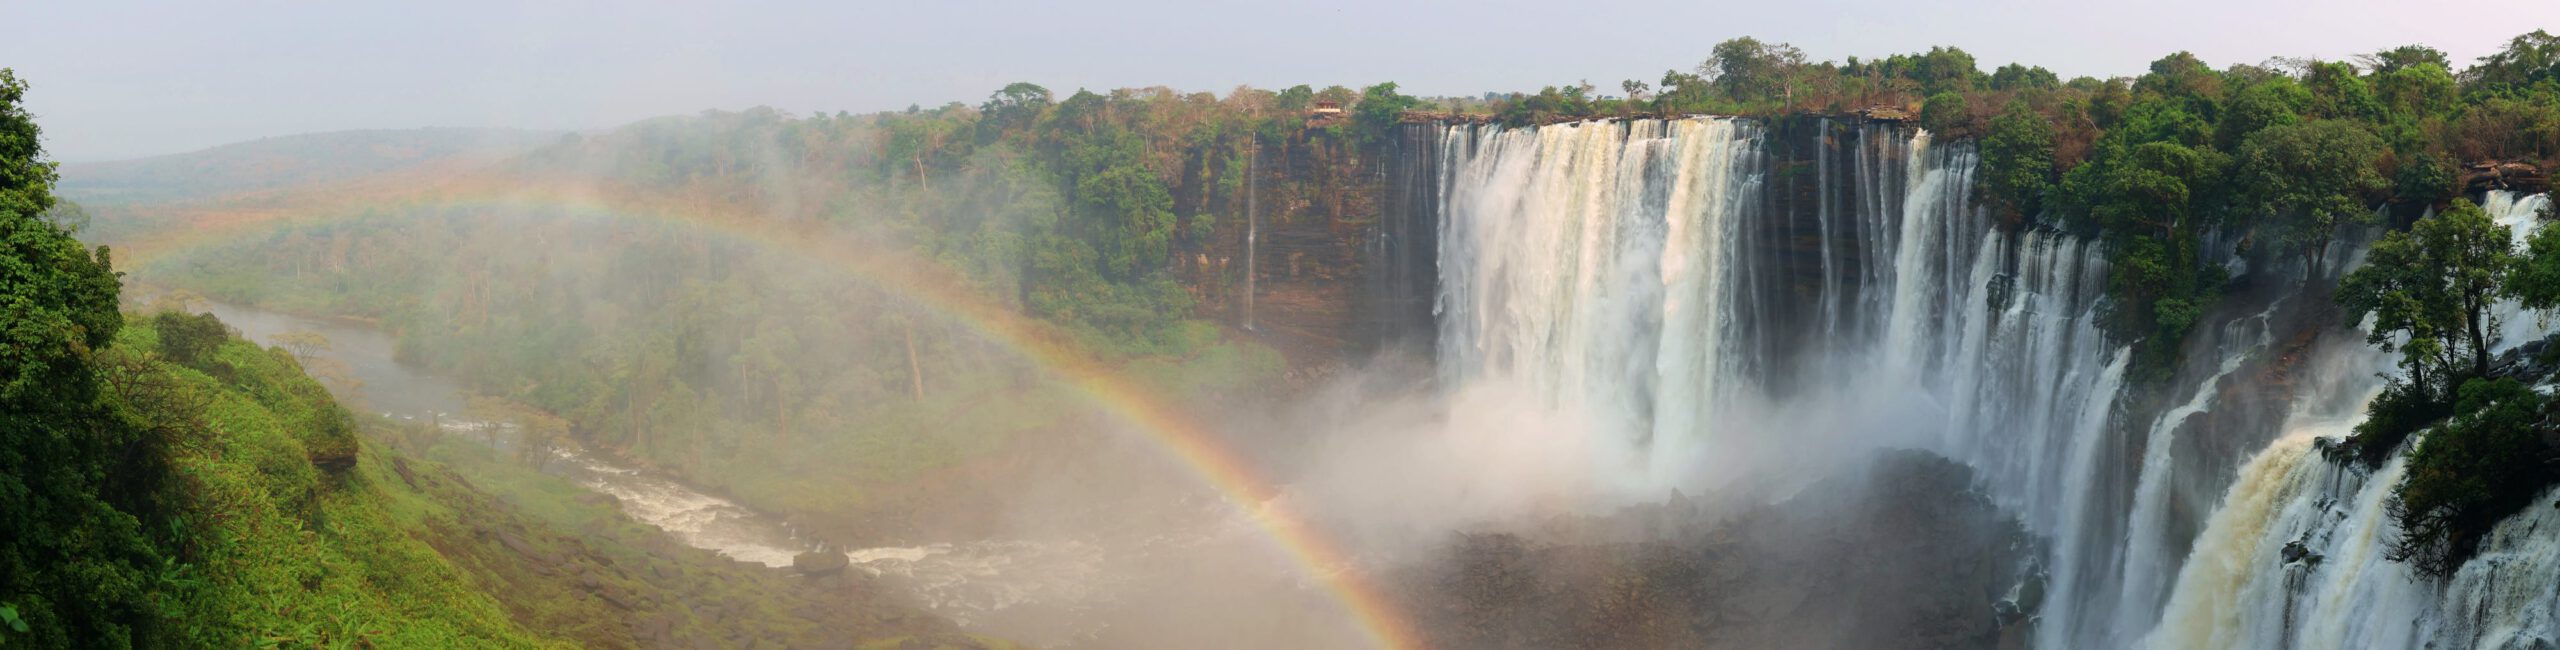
<point x="1572" y="253"/>
<point x="2146" y="564"/>
<point x="1716" y="301"/>
<point x="2505" y="596"/>
<point x="2293" y="556"/>
<point x="1252" y="231"/>
<point x="2519" y="214"/>
<point x="1645" y="276"/>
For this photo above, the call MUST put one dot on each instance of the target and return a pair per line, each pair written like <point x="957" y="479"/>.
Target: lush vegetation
<point x="169" y="485"/>
<point x="2431" y="293"/>
<point x="165" y="484"/>
<point x="85" y="495"/>
<point x="2471" y="472"/>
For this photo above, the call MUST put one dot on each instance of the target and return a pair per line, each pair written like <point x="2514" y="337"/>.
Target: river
<point x="1034" y="591"/>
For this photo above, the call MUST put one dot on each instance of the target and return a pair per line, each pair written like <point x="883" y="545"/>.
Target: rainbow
<point x="1193" y="444"/>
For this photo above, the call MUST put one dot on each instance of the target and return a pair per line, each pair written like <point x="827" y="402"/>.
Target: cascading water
<point x="2293" y="557"/>
<point x="1634" y="272"/>
<point x="1650" y="277"/>
<point x="1584" y="261"/>
<point x="1721" y="300"/>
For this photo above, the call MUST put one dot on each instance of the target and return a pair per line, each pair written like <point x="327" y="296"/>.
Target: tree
<point x="1017" y="106"/>
<point x="1747" y="70"/>
<point x="1681" y="92"/>
<point x="2432" y="287"/>
<point x="2337" y="93"/>
<point x="2309" y="179"/>
<point x="2477" y="468"/>
<point x="2535" y="280"/>
<point x="1945" y="69"/>
<point x="2415" y="91"/>
<point x="2505" y="128"/>
<point x="1381" y="110"/>
<point x="2403" y="57"/>
<point x="2276" y="101"/>
<point x="2149" y="189"/>
<point x="2425" y="179"/>
<point x="2019" y="77"/>
<point x="190" y="339"/>
<point x="1945" y="112"/>
<point x="2017" y="159"/>
<point x="80" y="481"/>
<point x="1635" y="89"/>
<point x="2528" y="59"/>
<point x="2183" y="79"/>
<point x="2149" y="200"/>
<point x="1294" y="99"/>
<point x="304" y="344"/>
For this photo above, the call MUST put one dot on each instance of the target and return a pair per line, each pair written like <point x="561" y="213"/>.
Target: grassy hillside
<point x="281" y="541"/>
<point x="297" y="530"/>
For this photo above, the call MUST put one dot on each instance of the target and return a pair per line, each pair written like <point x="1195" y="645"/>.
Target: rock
<point x="2029" y="593"/>
<point x="819" y="563"/>
<point x="2296" y="551"/>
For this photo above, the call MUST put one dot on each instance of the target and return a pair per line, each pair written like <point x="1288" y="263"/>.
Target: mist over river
<point x="1070" y="590"/>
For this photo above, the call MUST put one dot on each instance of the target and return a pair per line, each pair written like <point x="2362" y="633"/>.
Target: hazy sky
<point x="122" y="78"/>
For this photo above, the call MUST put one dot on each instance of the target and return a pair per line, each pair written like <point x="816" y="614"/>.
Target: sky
<point x="117" y="79"/>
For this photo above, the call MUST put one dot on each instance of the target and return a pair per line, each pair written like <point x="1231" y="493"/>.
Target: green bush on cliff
<point x="2402" y="409"/>
<point x="2470" y="472"/>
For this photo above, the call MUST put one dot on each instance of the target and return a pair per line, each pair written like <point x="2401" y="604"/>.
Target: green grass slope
<point x="299" y="525"/>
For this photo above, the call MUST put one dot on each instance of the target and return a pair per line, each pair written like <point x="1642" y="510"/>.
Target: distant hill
<point x="286" y="161"/>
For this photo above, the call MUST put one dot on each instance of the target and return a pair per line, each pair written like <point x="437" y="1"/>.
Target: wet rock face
<point x="2531" y="363"/>
<point x="1904" y="553"/>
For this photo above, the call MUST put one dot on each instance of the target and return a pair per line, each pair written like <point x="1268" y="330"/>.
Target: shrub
<point x="190" y="339"/>
<point x="2475" y="469"/>
<point x="2403" y="408"/>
